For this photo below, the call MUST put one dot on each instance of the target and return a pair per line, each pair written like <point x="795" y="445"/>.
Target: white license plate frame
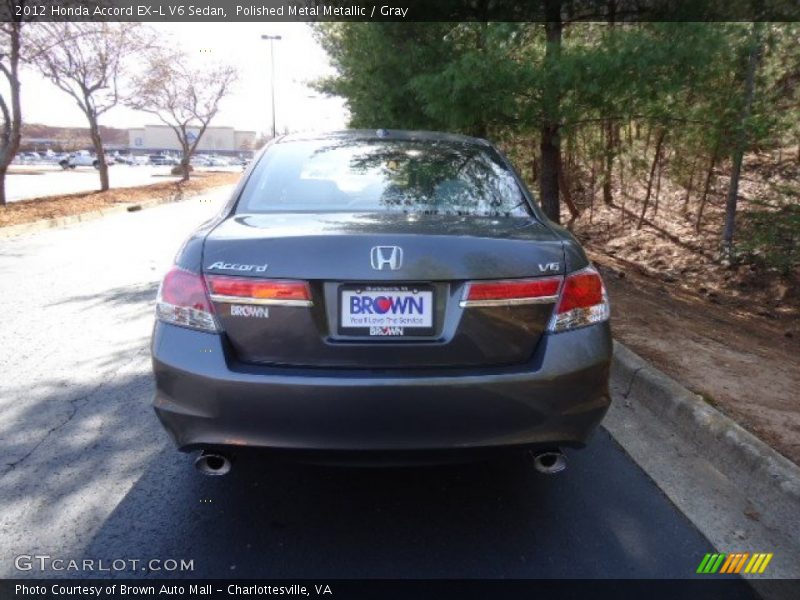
<point x="391" y="311"/>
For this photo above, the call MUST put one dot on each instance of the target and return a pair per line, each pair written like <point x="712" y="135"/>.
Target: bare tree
<point x="87" y="61"/>
<point x="754" y="58"/>
<point x="10" y="50"/>
<point x="185" y="99"/>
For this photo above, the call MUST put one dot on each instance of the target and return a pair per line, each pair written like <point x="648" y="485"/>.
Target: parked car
<point x="124" y="159"/>
<point x="381" y="296"/>
<point x="163" y="159"/>
<point x="83" y="158"/>
<point x="199" y="160"/>
<point x="216" y="161"/>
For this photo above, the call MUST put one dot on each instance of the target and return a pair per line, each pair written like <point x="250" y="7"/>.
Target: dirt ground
<point x="36" y="209"/>
<point x="744" y="364"/>
<point x="729" y="332"/>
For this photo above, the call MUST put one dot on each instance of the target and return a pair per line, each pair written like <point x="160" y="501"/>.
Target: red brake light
<point x="583" y="301"/>
<point x="512" y="291"/>
<point x="185" y="289"/>
<point x="183" y="300"/>
<point x="581" y="290"/>
<point x="259" y="291"/>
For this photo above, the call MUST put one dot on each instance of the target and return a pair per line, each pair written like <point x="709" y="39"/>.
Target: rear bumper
<point x="204" y="399"/>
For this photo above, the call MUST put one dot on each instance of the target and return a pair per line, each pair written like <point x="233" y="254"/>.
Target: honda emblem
<point x="386" y="256"/>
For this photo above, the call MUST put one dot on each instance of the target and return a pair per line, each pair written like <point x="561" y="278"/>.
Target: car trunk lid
<point x="349" y="260"/>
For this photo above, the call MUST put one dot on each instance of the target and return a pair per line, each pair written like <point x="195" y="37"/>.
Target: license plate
<point x="386" y="311"/>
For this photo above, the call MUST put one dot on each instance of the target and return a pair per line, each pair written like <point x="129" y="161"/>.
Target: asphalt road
<point x="87" y="471"/>
<point x="34" y="181"/>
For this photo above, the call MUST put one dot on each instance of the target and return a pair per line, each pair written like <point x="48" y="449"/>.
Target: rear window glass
<point x="437" y="178"/>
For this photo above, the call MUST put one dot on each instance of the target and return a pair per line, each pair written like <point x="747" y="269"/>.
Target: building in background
<point x="38" y="137"/>
<point x="215" y="140"/>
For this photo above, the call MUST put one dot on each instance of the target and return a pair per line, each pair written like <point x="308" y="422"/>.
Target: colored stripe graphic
<point x="716" y="565"/>
<point x="758" y="563"/>
<point x="703" y="564"/>
<point x="733" y="563"/>
<point x="751" y="564"/>
<point x="768" y="557"/>
<point x="727" y="566"/>
<point x="711" y="563"/>
<point x="741" y="562"/>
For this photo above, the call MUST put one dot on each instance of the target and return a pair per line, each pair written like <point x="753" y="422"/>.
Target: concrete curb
<point x="24" y="228"/>
<point x="721" y="453"/>
<point x="732" y="447"/>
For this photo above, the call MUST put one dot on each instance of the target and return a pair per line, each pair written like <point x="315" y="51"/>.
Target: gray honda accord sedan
<point x="388" y="296"/>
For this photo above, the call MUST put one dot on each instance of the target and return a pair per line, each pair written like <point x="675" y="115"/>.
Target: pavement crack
<point x="627" y="392"/>
<point x="75" y="405"/>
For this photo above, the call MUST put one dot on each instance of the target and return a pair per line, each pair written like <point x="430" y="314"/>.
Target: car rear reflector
<point x="511" y="292"/>
<point x="583" y="301"/>
<point x="243" y="290"/>
<point x="183" y="300"/>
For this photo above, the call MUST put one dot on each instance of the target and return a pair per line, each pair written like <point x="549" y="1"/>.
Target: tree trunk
<point x="548" y="178"/>
<point x="565" y="191"/>
<point x="610" y="144"/>
<point x="706" y="189"/>
<point x="611" y="128"/>
<point x="12" y="130"/>
<point x="550" y="151"/>
<point x="657" y="194"/>
<point x="99" y="152"/>
<point x="185" y="164"/>
<point x="741" y="139"/>
<point x="656" y="158"/>
<point x="689" y="186"/>
<point x="592" y="184"/>
<point x="3" y="171"/>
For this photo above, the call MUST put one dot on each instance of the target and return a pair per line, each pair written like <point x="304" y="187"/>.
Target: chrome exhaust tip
<point x="549" y="462"/>
<point x="211" y="464"/>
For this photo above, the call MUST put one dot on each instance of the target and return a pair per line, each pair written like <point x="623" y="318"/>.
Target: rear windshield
<point x="436" y="178"/>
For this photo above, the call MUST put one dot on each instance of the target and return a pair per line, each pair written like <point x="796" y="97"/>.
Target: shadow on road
<point x="603" y="518"/>
<point x="142" y="294"/>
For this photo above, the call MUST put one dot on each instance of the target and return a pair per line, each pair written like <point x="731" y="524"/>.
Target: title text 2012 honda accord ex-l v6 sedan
<point x="384" y="295"/>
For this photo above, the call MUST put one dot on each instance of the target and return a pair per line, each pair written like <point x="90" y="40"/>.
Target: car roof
<point x="384" y="134"/>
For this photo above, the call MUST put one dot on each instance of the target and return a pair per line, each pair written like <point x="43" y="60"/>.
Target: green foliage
<point x="489" y="77"/>
<point x="772" y="237"/>
<point x="476" y="87"/>
<point x="376" y="64"/>
<point x="604" y="81"/>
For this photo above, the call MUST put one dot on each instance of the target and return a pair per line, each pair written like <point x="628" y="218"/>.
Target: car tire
<point x="64" y="164"/>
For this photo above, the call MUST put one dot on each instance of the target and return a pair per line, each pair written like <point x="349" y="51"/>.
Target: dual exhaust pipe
<point x="212" y="464"/>
<point x="548" y="462"/>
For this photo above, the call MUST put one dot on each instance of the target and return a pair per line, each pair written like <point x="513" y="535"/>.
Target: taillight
<point x="243" y="290"/>
<point x="511" y="292"/>
<point x="583" y="301"/>
<point x="183" y="300"/>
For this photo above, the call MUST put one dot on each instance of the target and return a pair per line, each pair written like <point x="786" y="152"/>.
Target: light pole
<point x="272" y="39"/>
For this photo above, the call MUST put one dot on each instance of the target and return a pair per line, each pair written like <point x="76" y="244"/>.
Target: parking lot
<point x="34" y="181"/>
<point x="88" y="472"/>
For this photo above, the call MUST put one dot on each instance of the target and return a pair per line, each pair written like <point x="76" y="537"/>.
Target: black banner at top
<point x="400" y="10"/>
